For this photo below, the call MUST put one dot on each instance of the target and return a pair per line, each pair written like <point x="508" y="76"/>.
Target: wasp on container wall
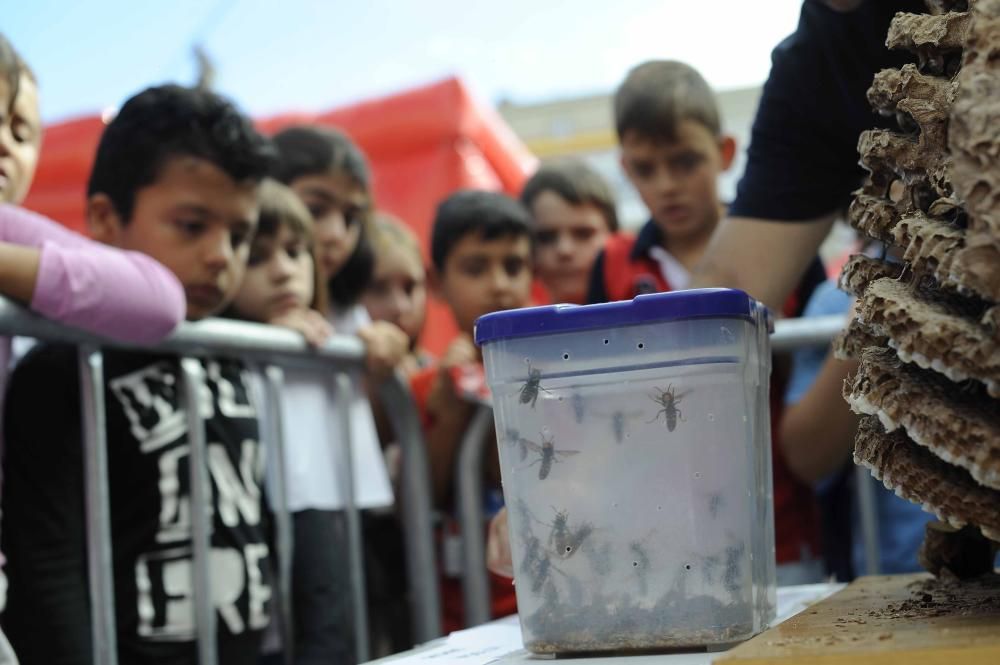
<point x="668" y="400"/>
<point x="547" y="455"/>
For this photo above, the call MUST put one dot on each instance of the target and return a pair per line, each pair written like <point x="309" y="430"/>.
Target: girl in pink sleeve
<point x="60" y="274"/>
<point x="63" y="276"/>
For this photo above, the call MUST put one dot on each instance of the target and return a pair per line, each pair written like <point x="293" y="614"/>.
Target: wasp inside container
<point x="635" y="455"/>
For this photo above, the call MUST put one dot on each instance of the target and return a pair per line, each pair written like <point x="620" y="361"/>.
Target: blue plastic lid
<point x="649" y="308"/>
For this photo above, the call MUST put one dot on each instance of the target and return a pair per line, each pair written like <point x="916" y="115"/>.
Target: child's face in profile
<point x="20" y="140"/>
<point x="196" y="221"/>
<point x="482" y="276"/>
<point x="279" y="277"/>
<point x="567" y="240"/>
<point x="398" y="292"/>
<point x="677" y="181"/>
<point x="337" y="204"/>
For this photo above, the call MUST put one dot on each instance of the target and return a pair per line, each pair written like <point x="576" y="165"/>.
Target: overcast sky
<point x="314" y="54"/>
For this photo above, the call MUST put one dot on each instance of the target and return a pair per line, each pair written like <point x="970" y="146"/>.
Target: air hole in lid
<point x="635" y="564"/>
<point x="687" y="566"/>
<point x="640" y="346"/>
<point x="565" y="356"/>
<point x="607" y="341"/>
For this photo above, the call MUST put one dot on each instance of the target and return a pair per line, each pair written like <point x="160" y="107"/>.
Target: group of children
<point x="194" y="214"/>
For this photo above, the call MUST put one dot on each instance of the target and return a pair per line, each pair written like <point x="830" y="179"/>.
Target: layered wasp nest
<point x="927" y="330"/>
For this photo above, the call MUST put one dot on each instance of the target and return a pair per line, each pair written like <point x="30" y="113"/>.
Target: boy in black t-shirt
<point x="176" y="177"/>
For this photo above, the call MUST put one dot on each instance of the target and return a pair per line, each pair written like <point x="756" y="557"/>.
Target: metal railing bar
<point x="469" y="482"/>
<point x="868" y="513"/>
<point x="98" y="507"/>
<point x="343" y="397"/>
<point x="264" y="342"/>
<point x="251" y="341"/>
<point x="805" y="332"/>
<point x="201" y="513"/>
<point x="417" y="512"/>
<point x="274" y="381"/>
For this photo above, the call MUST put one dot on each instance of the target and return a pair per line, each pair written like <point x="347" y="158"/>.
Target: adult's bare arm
<point x="817" y="432"/>
<point x="764" y="258"/>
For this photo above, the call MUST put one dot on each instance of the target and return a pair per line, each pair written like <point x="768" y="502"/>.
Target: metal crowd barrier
<point x="789" y="334"/>
<point x="270" y="349"/>
<point x="469" y="484"/>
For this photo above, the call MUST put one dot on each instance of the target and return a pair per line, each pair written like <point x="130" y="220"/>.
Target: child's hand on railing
<point x="386" y="347"/>
<point x="308" y="322"/>
<point x="460" y="354"/>
<point x="461" y="351"/>
<point x="498" y="557"/>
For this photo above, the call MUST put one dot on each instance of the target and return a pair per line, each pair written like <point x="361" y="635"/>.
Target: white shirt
<point x="312" y="436"/>
<point x="673" y="271"/>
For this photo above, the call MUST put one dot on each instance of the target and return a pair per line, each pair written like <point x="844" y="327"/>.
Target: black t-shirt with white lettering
<point x="802" y="162"/>
<point x="47" y="617"/>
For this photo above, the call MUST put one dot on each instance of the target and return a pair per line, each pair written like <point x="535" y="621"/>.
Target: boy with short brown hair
<point x="673" y="151"/>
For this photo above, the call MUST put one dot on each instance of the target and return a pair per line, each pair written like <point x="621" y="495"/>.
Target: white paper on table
<point x="503" y="633"/>
<point x="502" y="639"/>
<point x="474" y="646"/>
<point x="794" y="599"/>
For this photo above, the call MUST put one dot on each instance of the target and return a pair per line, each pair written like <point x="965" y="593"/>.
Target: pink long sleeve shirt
<point x="126" y="296"/>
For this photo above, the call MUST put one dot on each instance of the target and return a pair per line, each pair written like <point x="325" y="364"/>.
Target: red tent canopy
<point x="423" y="144"/>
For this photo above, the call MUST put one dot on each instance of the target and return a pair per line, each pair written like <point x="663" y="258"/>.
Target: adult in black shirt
<point x="802" y="162"/>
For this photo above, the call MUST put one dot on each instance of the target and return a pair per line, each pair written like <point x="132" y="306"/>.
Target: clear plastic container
<point x="636" y="461"/>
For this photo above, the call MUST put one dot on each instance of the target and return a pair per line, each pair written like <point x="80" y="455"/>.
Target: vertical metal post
<point x="418" y="527"/>
<point x="201" y="512"/>
<point x="343" y="397"/>
<point x="98" y="507"/>
<point x="868" y="511"/>
<point x="274" y="381"/>
<point x="475" y="578"/>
